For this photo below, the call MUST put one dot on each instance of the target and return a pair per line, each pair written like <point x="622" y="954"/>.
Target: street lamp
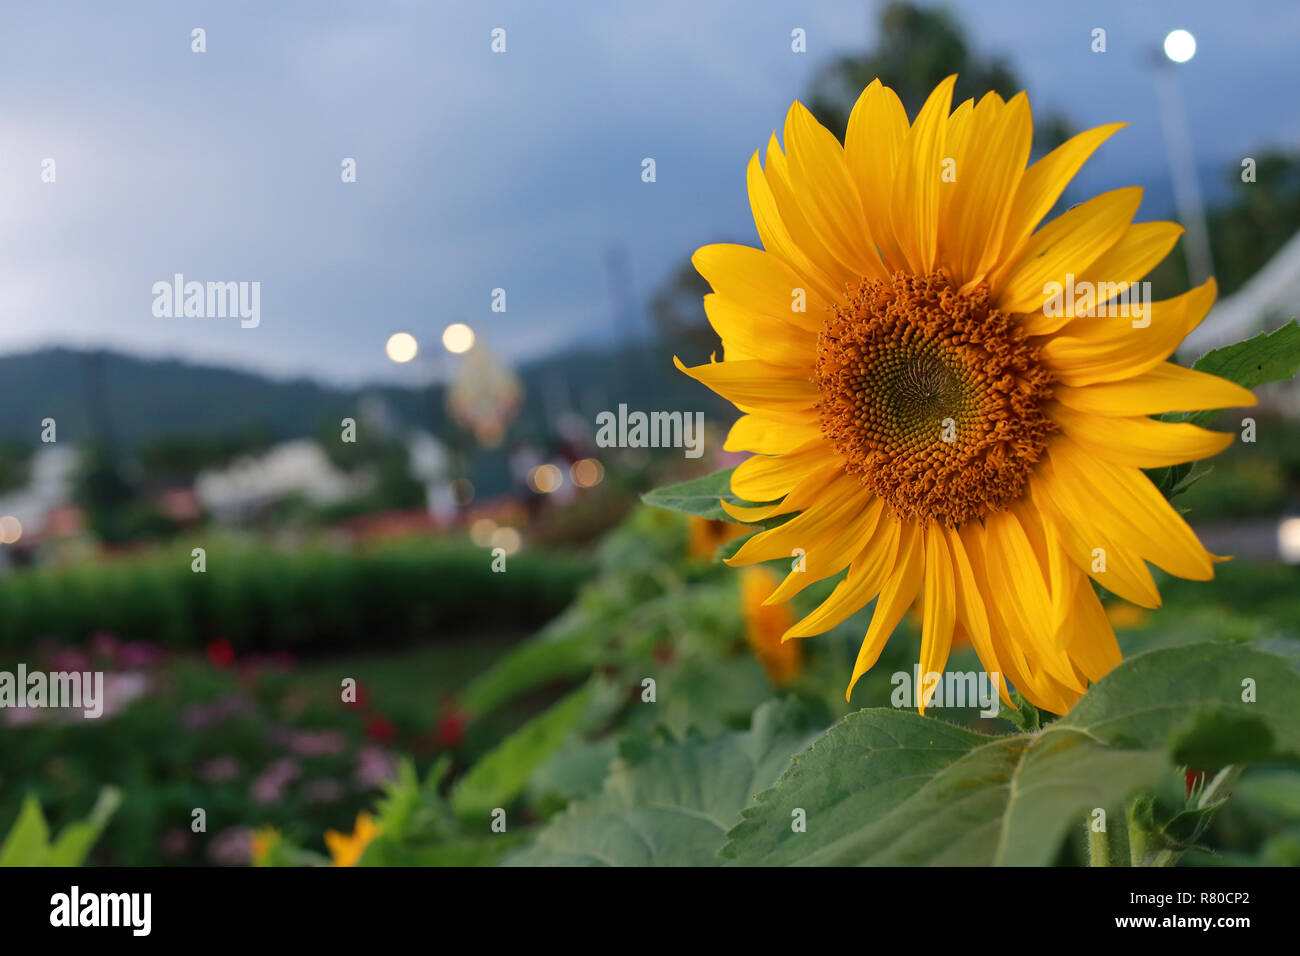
<point x="458" y="338"/>
<point x="1179" y="47"/>
<point x="402" y="347"/>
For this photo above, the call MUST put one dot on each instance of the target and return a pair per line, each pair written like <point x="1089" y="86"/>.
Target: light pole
<point x="457" y="339"/>
<point x="1178" y="48"/>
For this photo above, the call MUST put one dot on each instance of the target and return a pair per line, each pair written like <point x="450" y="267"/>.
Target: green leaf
<point x="1267" y="357"/>
<point x="1024" y="715"/>
<point x="28" y="843"/>
<point x="539" y="660"/>
<point x="28" y="839"/>
<point x="76" y="839"/>
<point x="892" y="787"/>
<point x="698" y="497"/>
<point x="672" y="805"/>
<point x="503" y="773"/>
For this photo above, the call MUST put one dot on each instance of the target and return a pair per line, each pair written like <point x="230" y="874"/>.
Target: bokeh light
<point x="545" y="479"/>
<point x="458" y="337"/>
<point x="586" y="472"/>
<point x="507" y="539"/>
<point x="11" y="529"/>
<point x="402" y="347"/>
<point x="1180" y="46"/>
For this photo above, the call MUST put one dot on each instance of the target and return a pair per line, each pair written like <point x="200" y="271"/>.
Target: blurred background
<point x="437" y="338"/>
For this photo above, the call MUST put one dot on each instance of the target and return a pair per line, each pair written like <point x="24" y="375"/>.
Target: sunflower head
<point x="953" y="400"/>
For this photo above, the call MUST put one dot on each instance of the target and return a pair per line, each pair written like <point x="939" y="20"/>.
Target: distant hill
<point x="92" y="394"/>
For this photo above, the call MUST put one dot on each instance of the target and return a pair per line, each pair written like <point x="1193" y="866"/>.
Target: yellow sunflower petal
<point x="765" y="479"/>
<point x="971" y="612"/>
<point x="795" y="213"/>
<point x="1113" y="565"/>
<point x="1090" y="638"/>
<point x="775" y="392"/>
<point x="940" y="610"/>
<point x="914" y="205"/>
<point x="874" y="140"/>
<point x="1043" y="184"/>
<point x="1013" y="568"/>
<point x="1110" y="349"/>
<point x="754" y="335"/>
<point x="805" y="493"/>
<point x="1069" y="243"/>
<point x="1125" y="506"/>
<point x="1142" y="247"/>
<point x="831" y="553"/>
<point x="761" y="282"/>
<point x="820" y="176"/>
<point x="1139" y="442"/>
<point x="866" y="577"/>
<point x="776" y="238"/>
<point x="756" y="434"/>
<point x="1164" y="388"/>
<point x="989" y="167"/>
<point x="895" y="598"/>
<point x="839" y="502"/>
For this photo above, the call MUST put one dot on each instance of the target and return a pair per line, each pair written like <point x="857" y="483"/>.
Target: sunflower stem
<point x="1098" y="846"/>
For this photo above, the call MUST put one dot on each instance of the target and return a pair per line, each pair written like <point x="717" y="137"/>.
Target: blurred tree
<point x="179" y="458"/>
<point x="104" y="494"/>
<point x="916" y="50"/>
<point x="15" y="465"/>
<point x="385" y="456"/>
<point x="1246" y="229"/>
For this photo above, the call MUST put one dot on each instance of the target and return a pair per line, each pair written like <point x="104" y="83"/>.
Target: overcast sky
<point x="478" y="170"/>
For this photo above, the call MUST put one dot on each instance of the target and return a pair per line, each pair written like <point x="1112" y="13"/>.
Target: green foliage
<point x="1271" y="357"/>
<point x="260" y="598"/>
<point x="698" y="497"/>
<point x="418" y="828"/>
<point x="29" y="844"/>
<point x="502" y="774"/>
<point x="669" y="803"/>
<point x="884" y="787"/>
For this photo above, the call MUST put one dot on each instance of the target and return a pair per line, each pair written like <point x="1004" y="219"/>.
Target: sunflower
<point x="766" y="624"/>
<point x="346" y="849"/>
<point x="919" y="400"/>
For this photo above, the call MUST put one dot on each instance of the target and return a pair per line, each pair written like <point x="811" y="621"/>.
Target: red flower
<point x="362" y="698"/>
<point x="1193" y="780"/>
<point x="380" y="729"/>
<point x="220" y="653"/>
<point x="451" y="725"/>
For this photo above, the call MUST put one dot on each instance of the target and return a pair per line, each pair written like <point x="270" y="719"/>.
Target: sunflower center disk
<point x="933" y="397"/>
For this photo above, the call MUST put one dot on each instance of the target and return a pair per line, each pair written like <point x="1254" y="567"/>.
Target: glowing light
<point x="1180" y="46"/>
<point x="545" y="479"/>
<point x="458" y="337"/>
<point x="11" y="529"/>
<point x="402" y="347"/>
<point x="1288" y="540"/>
<point x="586" y="472"/>
<point x="507" y="539"/>
<point x="463" y="489"/>
<point x="481" y="531"/>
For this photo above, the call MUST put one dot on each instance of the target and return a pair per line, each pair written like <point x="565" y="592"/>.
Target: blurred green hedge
<point x="260" y="598"/>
